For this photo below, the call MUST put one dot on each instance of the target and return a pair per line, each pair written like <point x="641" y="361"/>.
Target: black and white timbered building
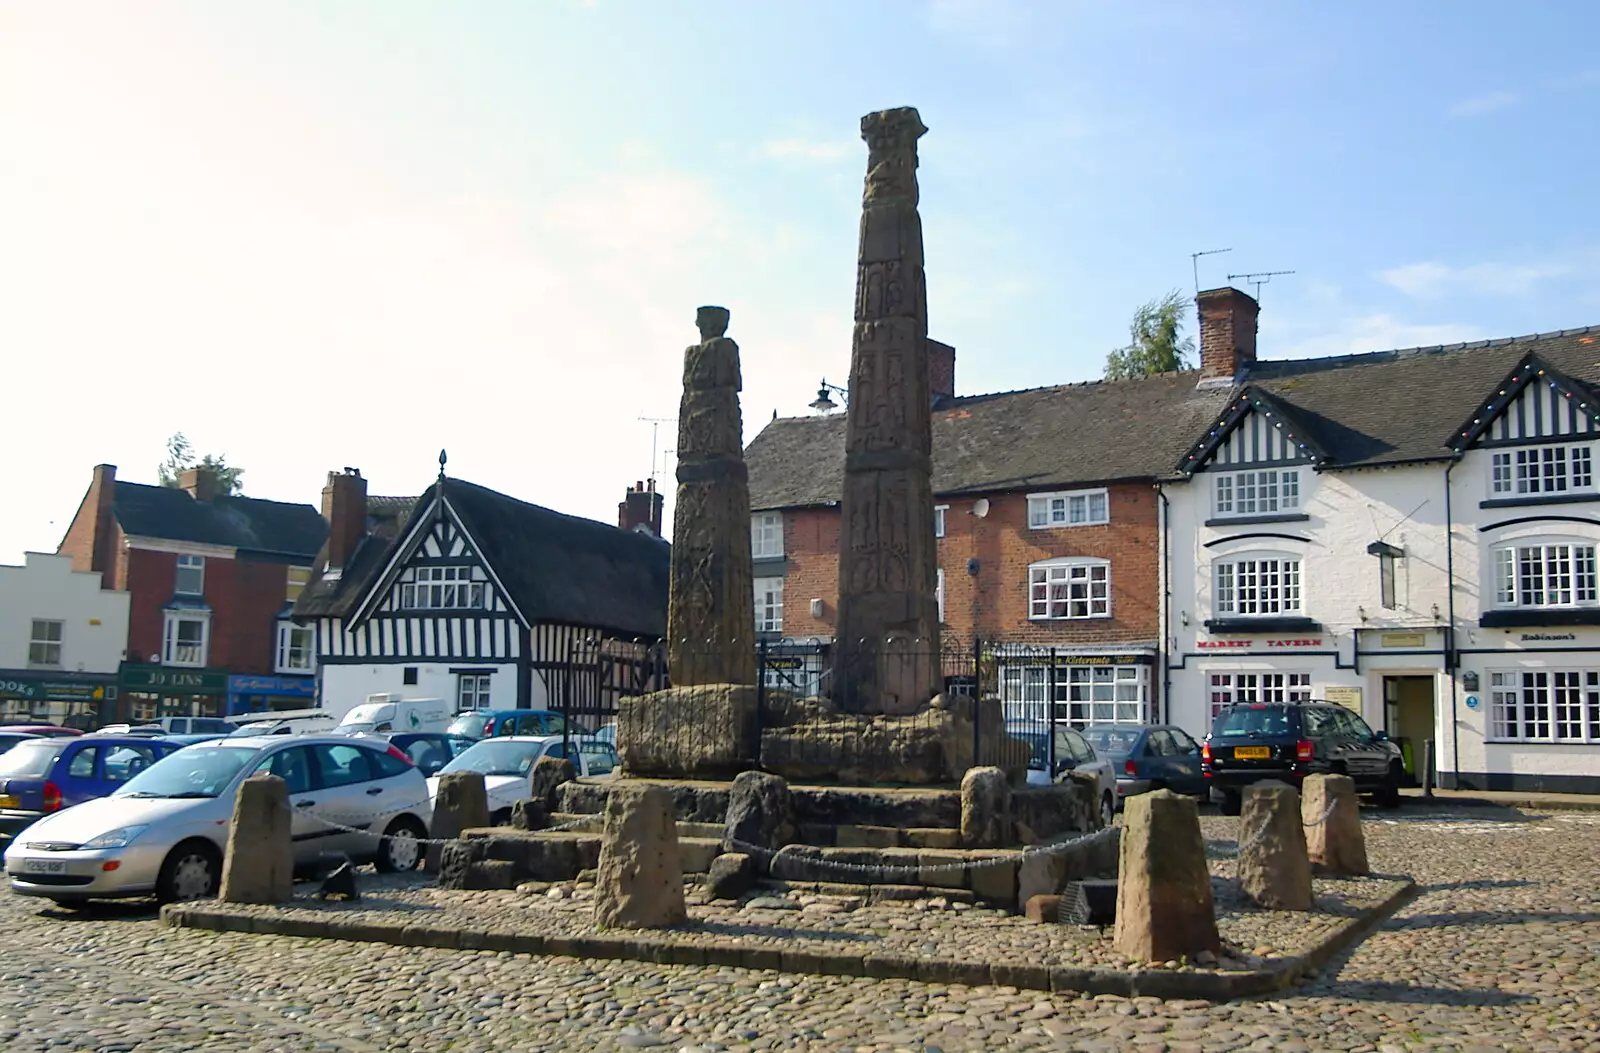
<point x="482" y="600"/>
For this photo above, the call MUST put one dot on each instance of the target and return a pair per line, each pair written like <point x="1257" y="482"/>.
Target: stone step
<point x="685" y="828"/>
<point x="854" y="836"/>
<point x="873" y="893"/>
<point x="560" y="855"/>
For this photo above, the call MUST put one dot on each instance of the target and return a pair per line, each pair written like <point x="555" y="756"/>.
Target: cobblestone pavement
<point x="1501" y="951"/>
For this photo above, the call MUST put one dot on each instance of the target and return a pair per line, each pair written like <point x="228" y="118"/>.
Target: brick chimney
<point x="90" y="540"/>
<point x="941" y="371"/>
<point x="344" y="506"/>
<point x="1227" y="334"/>
<point x="201" y="483"/>
<point x="641" y="507"/>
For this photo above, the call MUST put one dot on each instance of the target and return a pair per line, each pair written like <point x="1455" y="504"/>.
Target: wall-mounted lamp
<point x="1361" y="612"/>
<point x="823" y="403"/>
<point x="1436" y="612"/>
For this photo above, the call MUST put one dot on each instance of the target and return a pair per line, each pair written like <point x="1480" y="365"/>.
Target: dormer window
<point x="1541" y="470"/>
<point x="1260" y="492"/>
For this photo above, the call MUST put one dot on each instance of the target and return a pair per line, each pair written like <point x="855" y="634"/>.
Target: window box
<point x="1540" y="499"/>
<point x="1515" y="619"/>
<point x="1259" y="492"/>
<point x="1284" y="517"/>
<point x="1068" y="508"/>
<point x="1263" y="625"/>
<point x="1069" y="589"/>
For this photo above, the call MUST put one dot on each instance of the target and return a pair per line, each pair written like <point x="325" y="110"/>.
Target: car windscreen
<point x="197" y="771"/>
<point x="30" y="760"/>
<point x="1112" y="742"/>
<point x="470" y="725"/>
<point x="1259" y="719"/>
<point x="497" y="757"/>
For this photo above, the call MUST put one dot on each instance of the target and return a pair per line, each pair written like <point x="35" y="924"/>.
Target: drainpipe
<point x="1450" y="630"/>
<point x="1163" y="526"/>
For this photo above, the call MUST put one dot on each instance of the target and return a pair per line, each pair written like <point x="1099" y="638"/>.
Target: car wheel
<point x="1232" y="803"/>
<point x="193" y="870"/>
<point x="1108" y="810"/>
<point x="1389" y="792"/>
<point x="401" y="846"/>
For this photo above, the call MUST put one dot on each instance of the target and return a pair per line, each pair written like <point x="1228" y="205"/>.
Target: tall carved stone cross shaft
<point x="887" y="657"/>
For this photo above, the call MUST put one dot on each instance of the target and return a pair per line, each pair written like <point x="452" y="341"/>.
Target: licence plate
<point x="1252" y="752"/>
<point x="9" y="801"/>
<point x="44" y="866"/>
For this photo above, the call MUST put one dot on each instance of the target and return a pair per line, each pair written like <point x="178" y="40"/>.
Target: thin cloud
<point x="1375" y="332"/>
<point x="1489" y="102"/>
<point x="1431" y="279"/>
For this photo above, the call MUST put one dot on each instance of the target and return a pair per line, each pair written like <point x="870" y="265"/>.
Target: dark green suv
<point x="1253" y="741"/>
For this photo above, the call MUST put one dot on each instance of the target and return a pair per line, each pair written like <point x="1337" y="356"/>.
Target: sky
<point x="313" y="235"/>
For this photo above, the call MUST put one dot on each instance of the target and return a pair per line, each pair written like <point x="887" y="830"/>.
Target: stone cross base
<point x="700" y="732"/>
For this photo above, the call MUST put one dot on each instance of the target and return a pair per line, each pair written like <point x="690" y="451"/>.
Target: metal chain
<point x="1245" y="844"/>
<point x="392" y="809"/>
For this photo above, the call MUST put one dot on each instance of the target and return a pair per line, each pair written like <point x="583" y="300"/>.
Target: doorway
<point x="1408" y="718"/>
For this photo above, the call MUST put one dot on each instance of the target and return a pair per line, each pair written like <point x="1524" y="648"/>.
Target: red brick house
<point x="1048" y="522"/>
<point x="211" y="580"/>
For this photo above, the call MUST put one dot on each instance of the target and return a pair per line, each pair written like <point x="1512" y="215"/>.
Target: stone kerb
<point x="1274" y="870"/>
<point x="462" y="803"/>
<point x="640" y="879"/>
<point x="1164" y="905"/>
<point x="1332" y="816"/>
<point x="259" y="865"/>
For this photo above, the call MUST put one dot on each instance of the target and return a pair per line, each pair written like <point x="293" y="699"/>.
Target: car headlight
<point x="118" y="838"/>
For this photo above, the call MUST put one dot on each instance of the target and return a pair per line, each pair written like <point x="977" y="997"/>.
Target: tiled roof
<point x="1097" y="432"/>
<point x="245" y="523"/>
<point x="386" y="520"/>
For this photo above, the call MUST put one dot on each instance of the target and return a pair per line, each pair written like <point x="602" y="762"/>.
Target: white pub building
<point x="1411" y="534"/>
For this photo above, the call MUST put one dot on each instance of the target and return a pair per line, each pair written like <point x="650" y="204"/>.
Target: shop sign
<point x="54" y="689"/>
<point x="283" y="686"/>
<point x="1241" y="645"/>
<point x="1546" y="637"/>
<point x="1348" y="697"/>
<point x="1403" y="640"/>
<point x="158" y="678"/>
<point x="1101" y="659"/>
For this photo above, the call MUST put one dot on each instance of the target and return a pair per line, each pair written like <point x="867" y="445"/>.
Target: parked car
<point x="606" y="733"/>
<point x="1149" y="757"/>
<point x="164" y="832"/>
<point x="48" y="774"/>
<point x="428" y="750"/>
<point x="1252" y="741"/>
<point x="1072" y="753"/>
<point x="167" y="726"/>
<point x="39" y="729"/>
<point x="289" y="722"/>
<point x="11" y="738"/>
<point x="507" y="762"/>
<point x="192" y="740"/>
<point x="411" y="714"/>
<point x="489" y="723"/>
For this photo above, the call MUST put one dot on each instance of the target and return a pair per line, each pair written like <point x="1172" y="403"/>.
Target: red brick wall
<point x="995" y="600"/>
<point x="245" y="597"/>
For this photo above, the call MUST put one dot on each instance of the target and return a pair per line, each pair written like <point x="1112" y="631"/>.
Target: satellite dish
<point x="154" y="659"/>
<point x="980" y="507"/>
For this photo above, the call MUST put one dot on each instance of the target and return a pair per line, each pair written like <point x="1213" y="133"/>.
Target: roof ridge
<point x="1464" y="345"/>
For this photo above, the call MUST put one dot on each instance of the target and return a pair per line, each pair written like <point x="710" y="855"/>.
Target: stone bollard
<point x="259" y="866"/>
<point x="760" y="814"/>
<point x="548" y="774"/>
<point x="640" y="880"/>
<point x="462" y="804"/>
<point x="985" y="808"/>
<point x="1273" y="869"/>
<point x="1335" y="844"/>
<point x="1164" y="905"/>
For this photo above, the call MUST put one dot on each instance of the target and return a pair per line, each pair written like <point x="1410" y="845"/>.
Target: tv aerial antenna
<point x="1258" y="279"/>
<point x="655" y="431"/>
<point x="1194" y="262"/>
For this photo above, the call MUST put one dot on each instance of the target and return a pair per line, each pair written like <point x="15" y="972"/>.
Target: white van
<point x="383" y="715"/>
<point x="284" y="722"/>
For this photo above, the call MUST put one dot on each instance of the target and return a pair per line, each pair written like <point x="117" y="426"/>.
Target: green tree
<point x="180" y="458"/>
<point x="1156" y="341"/>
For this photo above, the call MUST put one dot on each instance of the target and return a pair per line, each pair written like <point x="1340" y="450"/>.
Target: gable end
<point x="1535" y="403"/>
<point x="1255" y="429"/>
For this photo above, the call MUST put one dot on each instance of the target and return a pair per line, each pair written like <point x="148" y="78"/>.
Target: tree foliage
<point x="180" y="458"/>
<point x="1156" y="343"/>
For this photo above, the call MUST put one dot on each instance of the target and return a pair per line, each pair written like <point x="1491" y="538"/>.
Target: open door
<point x="1408" y="717"/>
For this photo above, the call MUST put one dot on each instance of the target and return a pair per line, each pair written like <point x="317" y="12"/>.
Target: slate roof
<point x="1386" y="407"/>
<point x="1072" y="434"/>
<point x="386" y="521"/>
<point x="246" y="523"/>
<point x="557" y="568"/>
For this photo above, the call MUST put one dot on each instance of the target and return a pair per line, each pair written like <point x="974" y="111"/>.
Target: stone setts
<point x="1165" y="909"/>
<point x="1273" y="868"/>
<point x="259" y="864"/>
<point x="703" y="731"/>
<point x="640" y="881"/>
<point x="1335" y="843"/>
<point x="986" y="809"/>
<point x="462" y="803"/>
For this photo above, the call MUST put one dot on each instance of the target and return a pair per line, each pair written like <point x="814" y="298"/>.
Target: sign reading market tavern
<point x="1241" y="645"/>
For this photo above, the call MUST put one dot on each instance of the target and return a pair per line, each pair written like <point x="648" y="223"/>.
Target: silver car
<point x="164" y="832"/>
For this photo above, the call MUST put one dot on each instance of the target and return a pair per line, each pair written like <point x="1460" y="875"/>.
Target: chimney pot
<point x="1227" y="334"/>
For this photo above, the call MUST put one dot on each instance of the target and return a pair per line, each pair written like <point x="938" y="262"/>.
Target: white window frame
<point x="1544" y="705"/>
<point x="1082" y="584"/>
<point x="1225" y="687"/>
<point x="195" y="566"/>
<point x="44" y="643"/>
<point x="769" y="604"/>
<point x="472" y="691"/>
<point x="1538" y="573"/>
<point x="1255" y="492"/>
<point x="1539" y="471"/>
<point x="287" y="632"/>
<point x="176" y="653"/>
<point x="1258" y="585"/>
<point x="442" y="588"/>
<point x="1081" y="694"/>
<point x="938" y="519"/>
<point x="938" y="592"/>
<point x="1069" y="508"/>
<point x="766" y="535"/>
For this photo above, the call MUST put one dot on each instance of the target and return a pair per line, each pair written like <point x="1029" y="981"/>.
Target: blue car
<point x="478" y="724"/>
<point x="1149" y="757"/>
<point x="41" y="776"/>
